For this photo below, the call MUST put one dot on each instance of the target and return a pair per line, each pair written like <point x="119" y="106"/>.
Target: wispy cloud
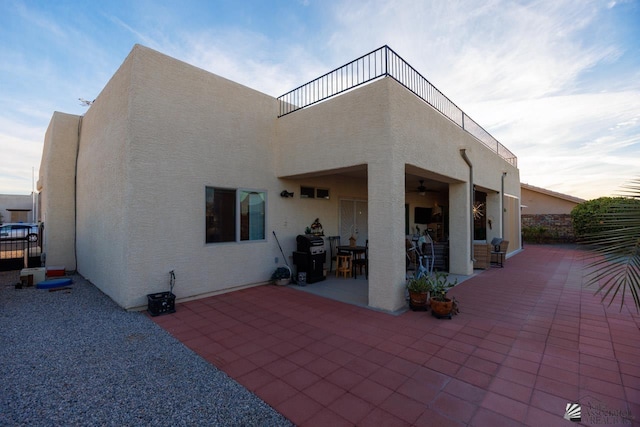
<point x="33" y="17"/>
<point x="24" y="146"/>
<point x="516" y="68"/>
<point x="543" y="76"/>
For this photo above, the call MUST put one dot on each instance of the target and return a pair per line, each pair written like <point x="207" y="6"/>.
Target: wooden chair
<point x="343" y="265"/>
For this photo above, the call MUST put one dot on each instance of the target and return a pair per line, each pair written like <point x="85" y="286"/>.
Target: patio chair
<point x="358" y="263"/>
<point x="343" y="265"/>
<point x="334" y="242"/>
<point x="482" y="255"/>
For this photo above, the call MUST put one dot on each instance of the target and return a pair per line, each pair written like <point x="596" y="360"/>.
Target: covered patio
<point x="347" y="213"/>
<point x="354" y="291"/>
<point x="528" y="341"/>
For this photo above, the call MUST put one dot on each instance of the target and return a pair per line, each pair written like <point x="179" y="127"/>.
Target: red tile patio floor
<point x="529" y="339"/>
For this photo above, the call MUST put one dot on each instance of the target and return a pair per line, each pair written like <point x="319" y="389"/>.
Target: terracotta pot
<point x="442" y="308"/>
<point x="418" y="300"/>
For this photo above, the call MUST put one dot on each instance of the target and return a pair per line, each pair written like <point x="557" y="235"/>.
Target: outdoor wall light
<point x="286" y="194"/>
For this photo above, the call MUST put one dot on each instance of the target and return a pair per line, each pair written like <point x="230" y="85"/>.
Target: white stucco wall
<point x="159" y="133"/>
<point x="388" y="128"/>
<point x="162" y="130"/>
<point x="57" y="194"/>
<point x="104" y="187"/>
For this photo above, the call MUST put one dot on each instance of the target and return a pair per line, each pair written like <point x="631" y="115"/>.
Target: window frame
<point x="239" y="215"/>
<point x="237" y="220"/>
<point x="309" y="192"/>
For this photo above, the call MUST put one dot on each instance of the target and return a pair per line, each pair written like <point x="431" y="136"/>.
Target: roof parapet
<point x="384" y="62"/>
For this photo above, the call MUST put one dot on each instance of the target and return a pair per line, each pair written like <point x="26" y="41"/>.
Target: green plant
<point x="437" y="284"/>
<point x="440" y="285"/>
<point x="587" y="217"/>
<point x="534" y="234"/>
<point x="614" y="265"/>
<point x="420" y="285"/>
<point x="281" y="273"/>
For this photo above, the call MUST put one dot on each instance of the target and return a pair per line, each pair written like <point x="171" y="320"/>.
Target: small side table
<point x="497" y="259"/>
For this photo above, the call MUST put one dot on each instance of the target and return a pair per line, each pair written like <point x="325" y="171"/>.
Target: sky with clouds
<point x="556" y="81"/>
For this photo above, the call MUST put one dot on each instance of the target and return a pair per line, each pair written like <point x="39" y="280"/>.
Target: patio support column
<point x="386" y="234"/>
<point x="459" y="231"/>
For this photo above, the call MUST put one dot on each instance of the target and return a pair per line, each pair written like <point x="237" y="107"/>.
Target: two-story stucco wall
<point x="388" y="129"/>
<point x="429" y="142"/>
<point x="57" y="189"/>
<point x="346" y="132"/>
<point x="161" y="131"/>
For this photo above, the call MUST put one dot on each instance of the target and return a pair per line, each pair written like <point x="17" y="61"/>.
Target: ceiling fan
<point x="422" y="190"/>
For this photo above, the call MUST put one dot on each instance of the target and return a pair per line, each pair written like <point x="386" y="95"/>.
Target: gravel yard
<point x="73" y="357"/>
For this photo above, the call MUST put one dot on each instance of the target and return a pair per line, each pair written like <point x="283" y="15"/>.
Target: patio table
<point x="355" y="251"/>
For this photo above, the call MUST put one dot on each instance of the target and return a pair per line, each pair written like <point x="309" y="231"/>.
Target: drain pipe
<point x="504" y="175"/>
<point x="463" y="153"/>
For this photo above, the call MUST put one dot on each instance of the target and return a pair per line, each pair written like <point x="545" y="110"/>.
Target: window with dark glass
<point x="234" y="215"/>
<point x="307" y="192"/>
<point x="479" y="211"/>
<point x="220" y="215"/>
<point x="314" y="193"/>
<point x="322" y="193"/>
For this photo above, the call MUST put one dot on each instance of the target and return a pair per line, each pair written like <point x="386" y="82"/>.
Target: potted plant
<point x="441" y="305"/>
<point x="418" y="288"/>
<point x="281" y="276"/>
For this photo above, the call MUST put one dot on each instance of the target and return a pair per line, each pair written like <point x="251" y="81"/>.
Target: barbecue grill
<point x="310" y="257"/>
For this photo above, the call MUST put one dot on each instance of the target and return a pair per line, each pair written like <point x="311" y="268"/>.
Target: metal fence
<point x="384" y="62"/>
<point x="18" y="251"/>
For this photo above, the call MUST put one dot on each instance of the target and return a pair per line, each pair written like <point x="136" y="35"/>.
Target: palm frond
<point x="613" y="265"/>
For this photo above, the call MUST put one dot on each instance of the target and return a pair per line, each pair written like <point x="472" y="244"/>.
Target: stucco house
<point x="175" y="168"/>
<point x="18" y="208"/>
<point x="546" y="214"/>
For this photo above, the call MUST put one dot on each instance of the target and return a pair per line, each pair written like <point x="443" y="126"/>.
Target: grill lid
<point x="310" y="243"/>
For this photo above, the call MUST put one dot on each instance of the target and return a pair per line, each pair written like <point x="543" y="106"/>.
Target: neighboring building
<point x="546" y="215"/>
<point x="180" y="169"/>
<point x="540" y="201"/>
<point x="18" y="208"/>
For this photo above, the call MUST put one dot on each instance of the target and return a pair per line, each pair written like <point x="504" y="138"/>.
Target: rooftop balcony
<point x="384" y="62"/>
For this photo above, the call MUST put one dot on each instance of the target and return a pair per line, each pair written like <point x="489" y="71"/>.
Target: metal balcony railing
<point x="384" y="62"/>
